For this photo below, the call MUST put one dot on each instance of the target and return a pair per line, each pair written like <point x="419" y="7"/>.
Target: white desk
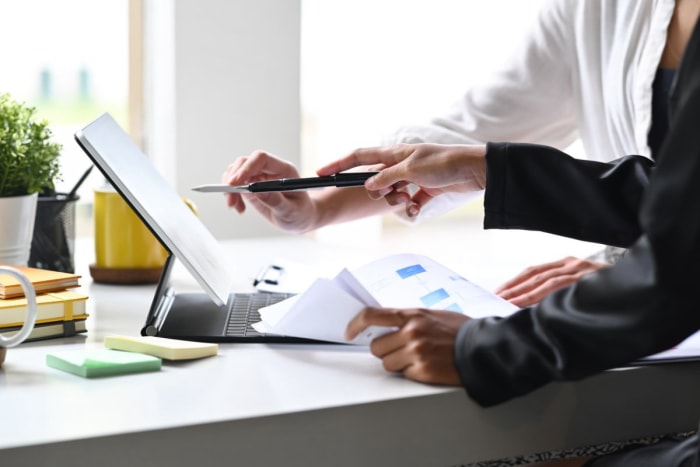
<point x="295" y="405"/>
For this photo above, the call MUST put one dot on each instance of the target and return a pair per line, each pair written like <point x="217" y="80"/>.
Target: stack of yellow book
<point x="60" y="312"/>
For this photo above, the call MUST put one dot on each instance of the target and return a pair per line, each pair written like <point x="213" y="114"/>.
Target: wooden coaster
<point x="3" y="352"/>
<point x="125" y="276"/>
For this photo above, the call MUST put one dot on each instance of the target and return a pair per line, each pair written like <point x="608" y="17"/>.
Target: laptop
<point x="217" y="314"/>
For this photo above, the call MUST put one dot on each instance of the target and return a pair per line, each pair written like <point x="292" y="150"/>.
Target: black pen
<point x="291" y="184"/>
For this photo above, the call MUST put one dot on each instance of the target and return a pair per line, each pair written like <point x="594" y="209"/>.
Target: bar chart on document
<point x="408" y="280"/>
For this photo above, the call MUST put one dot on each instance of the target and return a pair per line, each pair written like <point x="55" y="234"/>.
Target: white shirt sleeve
<point x="529" y="99"/>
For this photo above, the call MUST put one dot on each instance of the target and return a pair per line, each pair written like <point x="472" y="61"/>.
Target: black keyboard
<point x="243" y="311"/>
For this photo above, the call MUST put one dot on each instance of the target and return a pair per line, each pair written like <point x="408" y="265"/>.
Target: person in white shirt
<point x="587" y="69"/>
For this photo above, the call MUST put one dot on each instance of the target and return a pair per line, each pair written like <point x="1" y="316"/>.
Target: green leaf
<point x="29" y="160"/>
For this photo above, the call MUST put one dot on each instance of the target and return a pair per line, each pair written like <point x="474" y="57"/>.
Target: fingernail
<point x="412" y="210"/>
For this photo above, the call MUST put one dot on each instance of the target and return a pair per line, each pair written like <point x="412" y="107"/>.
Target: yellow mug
<point x="126" y="252"/>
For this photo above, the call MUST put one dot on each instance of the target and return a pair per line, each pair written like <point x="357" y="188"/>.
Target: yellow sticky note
<point x="168" y="349"/>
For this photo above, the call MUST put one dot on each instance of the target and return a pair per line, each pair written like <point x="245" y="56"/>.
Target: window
<point x="369" y="67"/>
<point x="69" y="59"/>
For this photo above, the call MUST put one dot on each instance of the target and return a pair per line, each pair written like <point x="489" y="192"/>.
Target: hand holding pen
<point x="273" y="187"/>
<point x="435" y="169"/>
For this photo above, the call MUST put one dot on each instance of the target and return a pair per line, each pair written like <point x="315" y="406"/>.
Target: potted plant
<point x="29" y="166"/>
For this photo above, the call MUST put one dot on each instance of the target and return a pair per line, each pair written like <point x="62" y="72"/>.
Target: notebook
<point x="218" y="314"/>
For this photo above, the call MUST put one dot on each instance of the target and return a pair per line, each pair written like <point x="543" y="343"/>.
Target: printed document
<point x="325" y="308"/>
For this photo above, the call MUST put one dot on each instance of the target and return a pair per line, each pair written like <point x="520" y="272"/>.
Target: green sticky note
<point x="102" y="362"/>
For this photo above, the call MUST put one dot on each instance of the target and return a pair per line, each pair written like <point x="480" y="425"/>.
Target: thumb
<point x="386" y="178"/>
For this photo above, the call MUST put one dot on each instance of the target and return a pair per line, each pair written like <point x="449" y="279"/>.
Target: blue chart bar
<point x="434" y="297"/>
<point x="409" y="271"/>
<point x="454" y="307"/>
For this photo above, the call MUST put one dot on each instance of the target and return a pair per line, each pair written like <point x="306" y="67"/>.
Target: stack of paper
<point x="60" y="312"/>
<point x="324" y="310"/>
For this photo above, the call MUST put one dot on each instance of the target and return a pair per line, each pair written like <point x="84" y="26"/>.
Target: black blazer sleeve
<point x="533" y="187"/>
<point x="644" y="304"/>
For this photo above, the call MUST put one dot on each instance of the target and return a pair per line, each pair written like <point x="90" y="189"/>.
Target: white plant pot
<point x="17" y="215"/>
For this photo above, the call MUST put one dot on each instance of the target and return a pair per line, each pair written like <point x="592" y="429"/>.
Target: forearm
<point x="534" y="187"/>
<point x="592" y="325"/>
<point x="334" y="206"/>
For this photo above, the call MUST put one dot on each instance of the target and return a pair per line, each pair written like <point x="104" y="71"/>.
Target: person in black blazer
<point x="644" y="304"/>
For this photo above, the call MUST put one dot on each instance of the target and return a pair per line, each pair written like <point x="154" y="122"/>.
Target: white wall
<point x="226" y="83"/>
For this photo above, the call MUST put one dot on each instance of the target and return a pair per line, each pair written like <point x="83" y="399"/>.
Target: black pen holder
<point x="53" y="243"/>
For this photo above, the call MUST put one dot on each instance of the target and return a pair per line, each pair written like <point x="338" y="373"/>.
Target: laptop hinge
<point x="163" y="307"/>
<point x="162" y="300"/>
